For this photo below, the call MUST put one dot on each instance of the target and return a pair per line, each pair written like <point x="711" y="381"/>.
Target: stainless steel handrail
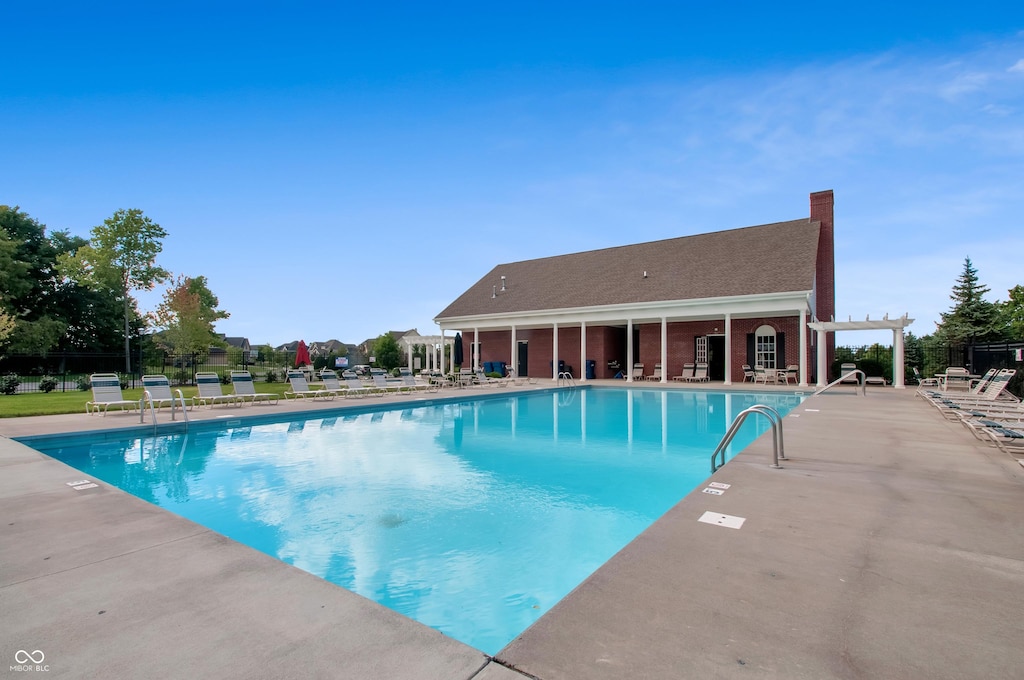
<point x="778" y="447"/>
<point x="184" y="410"/>
<point x="147" y="397"/>
<point x="565" y="377"/>
<point x="861" y="380"/>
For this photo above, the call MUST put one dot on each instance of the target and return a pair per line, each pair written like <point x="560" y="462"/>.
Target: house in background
<point x="220" y="356"/>
<point x="728" y="298"/>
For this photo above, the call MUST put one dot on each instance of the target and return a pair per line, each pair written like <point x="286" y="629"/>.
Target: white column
<point x="822" y="357"/>
<point x="443" y="367"/>
<point x="728" y="350"/>
<point x="476" y="349"/>
<point x="554" y="352"/>
<point x="664" y="349"/>
<point x="897" y="359"/>
<point x="583" y="350"/>
<point x="629" y="358"/>
<point x="802" y="378"/>
<point x="512" y="362"/>
<point x="409" y="354"/>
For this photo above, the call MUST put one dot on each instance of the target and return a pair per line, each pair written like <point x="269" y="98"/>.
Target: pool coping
<point x="870" y="495"/>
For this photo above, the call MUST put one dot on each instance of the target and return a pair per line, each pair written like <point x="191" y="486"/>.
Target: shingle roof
<point x="777" y="257"/>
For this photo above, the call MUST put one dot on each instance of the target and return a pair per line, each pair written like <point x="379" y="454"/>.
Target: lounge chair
<point x="700" y="373"/>
<point x="300" y="388"/>
<point x="481" y="379"/>
<point x="245" y="390"/>
<point x="353" y="385"/>
<point x="158" y="392"/>
<point x="381" y="384"/>
<point x="638" y="371"/>
<point x="410" y="383"/>
<point x="748" y="373"/>
<point x="924" y="382"/>
<point x="656" y="375"/>
<point x="686" y="374"/>
<point x="211" y="392"/>
<point x="977" y="388"/>
<point x="106" y="392"/>
<point x="845" y="370"/>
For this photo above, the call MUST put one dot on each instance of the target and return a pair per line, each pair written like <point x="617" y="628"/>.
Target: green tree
<point x="187" y="315"/>
<point x="387" y="354"/>
<point x="120" y="256"/>
<point x="1011" y="314"/>
<point x="7" y="324"/>
<point x="972" y="318"/>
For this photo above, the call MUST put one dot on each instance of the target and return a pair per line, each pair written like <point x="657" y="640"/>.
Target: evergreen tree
<point x="972" y="318"/>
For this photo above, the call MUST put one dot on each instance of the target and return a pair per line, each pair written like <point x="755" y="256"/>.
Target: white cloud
<point x="1018" y="67"/>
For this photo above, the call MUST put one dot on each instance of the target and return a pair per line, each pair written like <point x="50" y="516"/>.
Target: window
<point x="765" y="347"/>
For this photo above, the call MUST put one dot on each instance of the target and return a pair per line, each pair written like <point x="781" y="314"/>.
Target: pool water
<point x="473" y="517"/>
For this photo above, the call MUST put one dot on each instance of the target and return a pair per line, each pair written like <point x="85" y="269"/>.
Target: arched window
<point x="765" y="346"/>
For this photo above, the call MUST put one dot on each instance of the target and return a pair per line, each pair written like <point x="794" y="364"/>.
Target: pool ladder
<point x="565" y="379"/>
<point x="147" y="397"/>
<point x="778" y="447"/>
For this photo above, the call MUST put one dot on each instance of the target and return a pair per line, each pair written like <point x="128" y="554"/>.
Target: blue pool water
<point x="473" y="517"/>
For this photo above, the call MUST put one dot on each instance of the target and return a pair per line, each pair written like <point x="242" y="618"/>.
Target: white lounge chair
<point x="656" y="375"/>
<point x="211" y="392"/>
<point x="158" y="389"/>
<point x="638" y="371"/>
<point x="301" y="390"/>
<point x="106" y="392"/>
<point x="686" y="374"/>
<point x="245" y="389"/>
<point x="381" y="384"/>
<point x="700" y="373"/>
<point x="354" y="386"/>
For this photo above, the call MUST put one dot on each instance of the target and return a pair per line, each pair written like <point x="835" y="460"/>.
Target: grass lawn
<point x="53" y="403"/>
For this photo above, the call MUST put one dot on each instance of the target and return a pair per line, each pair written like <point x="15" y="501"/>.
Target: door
<point x="522" y="361"/>
<point x="716" y="357"/>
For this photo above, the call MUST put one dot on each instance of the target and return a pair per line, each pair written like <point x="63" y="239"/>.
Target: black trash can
<point x="590" y="368"/>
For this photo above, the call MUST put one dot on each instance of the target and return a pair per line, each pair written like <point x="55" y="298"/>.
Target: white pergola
<point x="896" y="325"/>
<point x="434" y="345"/>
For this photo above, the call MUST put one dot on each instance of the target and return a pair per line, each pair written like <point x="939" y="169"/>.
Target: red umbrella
<point x="302" y="355"/>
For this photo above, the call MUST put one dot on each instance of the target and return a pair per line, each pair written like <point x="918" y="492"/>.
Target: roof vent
<point x="645" y="274"/>
<point x="502" y="284"/>
<point x="494" y="292"/>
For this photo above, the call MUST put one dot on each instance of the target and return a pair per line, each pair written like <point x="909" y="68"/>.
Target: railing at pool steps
<point x="148" y="398"/>
<point x="862" y="381"/>
<point x="778" y="446"/>
<point x="565" y="379"/>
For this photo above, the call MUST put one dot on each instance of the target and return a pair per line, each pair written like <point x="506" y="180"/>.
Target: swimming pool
<point x="474" y="517"/>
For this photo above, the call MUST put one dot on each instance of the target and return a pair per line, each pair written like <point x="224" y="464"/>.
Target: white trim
<point x="746" y="306"/>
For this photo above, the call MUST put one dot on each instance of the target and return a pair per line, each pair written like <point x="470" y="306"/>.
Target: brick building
<point x="741" y="296"/>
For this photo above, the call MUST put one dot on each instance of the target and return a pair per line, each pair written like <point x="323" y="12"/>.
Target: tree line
<point x="64" y="293"/>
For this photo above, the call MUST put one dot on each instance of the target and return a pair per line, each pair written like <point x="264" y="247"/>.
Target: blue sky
<point x="337" y="171"/>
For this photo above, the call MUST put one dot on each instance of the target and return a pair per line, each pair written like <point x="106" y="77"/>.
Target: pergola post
<point x="728" y="349"/>
<point x="802" y="380"/>
<point x="822" y="358"/>
<point x="664" y="349"/>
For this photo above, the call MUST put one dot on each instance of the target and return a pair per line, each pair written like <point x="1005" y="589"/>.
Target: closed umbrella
<point x="457" y="350"/>
<point x="302" y="355"/>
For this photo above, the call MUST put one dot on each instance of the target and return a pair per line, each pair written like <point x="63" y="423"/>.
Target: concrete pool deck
<point x="890" y="545"/>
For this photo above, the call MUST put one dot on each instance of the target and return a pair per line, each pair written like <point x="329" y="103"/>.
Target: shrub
<point x="271" y="376"/>
<point x="9" y="383"/>
<point x="48" y="383"/>
<point x="225" y="378"/>
<point x="83" y="383"/>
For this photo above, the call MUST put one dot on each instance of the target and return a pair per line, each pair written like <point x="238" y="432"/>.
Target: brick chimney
<point x="822" y="205"/>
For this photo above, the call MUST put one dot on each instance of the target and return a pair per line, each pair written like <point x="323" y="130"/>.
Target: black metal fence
<point x="70" y="371"/>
